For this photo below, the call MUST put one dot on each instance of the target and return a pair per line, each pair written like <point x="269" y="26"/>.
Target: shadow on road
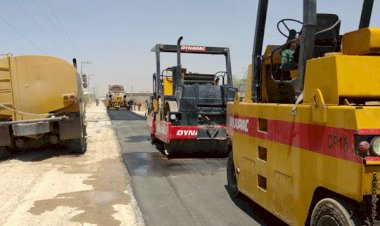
<point x="39" y="154"/>
<point x="159" y="146"/>
<point x="259" y="214"/>
<point x="200" y="155"/>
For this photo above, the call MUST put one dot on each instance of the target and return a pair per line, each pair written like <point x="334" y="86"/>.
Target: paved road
<point x="179" y="191"/>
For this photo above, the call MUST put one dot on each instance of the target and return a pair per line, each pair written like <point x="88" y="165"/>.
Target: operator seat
<point x="327" y="41"/>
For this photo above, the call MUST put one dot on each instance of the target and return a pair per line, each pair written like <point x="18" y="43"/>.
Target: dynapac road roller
<point x="40" y="103"/>
<point x="188" y="112"/>
<point x="306" y="141"/>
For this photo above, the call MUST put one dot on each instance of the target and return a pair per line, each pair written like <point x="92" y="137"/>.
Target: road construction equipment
<point x="188" y="111"/>
<point x="116" y="97"/>
<point x="306" y="139"/>
<point x="40" y="103"/>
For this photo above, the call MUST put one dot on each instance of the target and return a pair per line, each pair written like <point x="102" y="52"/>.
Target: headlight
<point x="173" y="117"/>
<point x="375" y="146"/>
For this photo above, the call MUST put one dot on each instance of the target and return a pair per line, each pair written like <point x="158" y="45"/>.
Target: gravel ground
<point x="55" y="187"/>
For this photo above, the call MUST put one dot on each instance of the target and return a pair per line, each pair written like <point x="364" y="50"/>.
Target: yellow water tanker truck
<point x="116" y="97"/>
<point x="40" y="103"/>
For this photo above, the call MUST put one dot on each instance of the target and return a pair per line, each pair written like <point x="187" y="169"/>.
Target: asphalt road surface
<point x="179" y="191"/>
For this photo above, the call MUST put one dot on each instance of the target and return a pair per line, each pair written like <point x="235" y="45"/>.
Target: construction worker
<point x="130" y="103"/>
<point x="138" y="104"/>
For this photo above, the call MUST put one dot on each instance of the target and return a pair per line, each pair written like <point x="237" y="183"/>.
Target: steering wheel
<point x="283" y="21"/>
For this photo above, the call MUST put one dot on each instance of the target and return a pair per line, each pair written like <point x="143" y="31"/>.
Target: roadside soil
<point x="141" y="113"/>
<point x="51" y="186"/>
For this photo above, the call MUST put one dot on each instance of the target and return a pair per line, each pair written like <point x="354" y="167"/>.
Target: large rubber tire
<point x="167" y="150"/>
<point x="78" y="145"/>
<point x="4" y="152"/>
<point x="231" y="176"/>
<point x="153" y="138"/>
<point x="329" y="211"/>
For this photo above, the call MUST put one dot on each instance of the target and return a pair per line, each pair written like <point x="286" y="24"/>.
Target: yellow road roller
<point x="306" y="138"/>
<point x="116" y="97"/>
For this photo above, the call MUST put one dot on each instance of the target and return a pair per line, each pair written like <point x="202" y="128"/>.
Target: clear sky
<point x="116" y="36"/>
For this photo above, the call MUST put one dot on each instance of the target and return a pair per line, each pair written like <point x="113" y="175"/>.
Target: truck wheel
<point x="231" y="176"/>
<point x="167" y="149"/>
<point x="329" y="211"/>
<point x="4" y="152"/>
<point x="227" y="152"/>
<point x="78" y="145"/>
<point x="153" y="138"/>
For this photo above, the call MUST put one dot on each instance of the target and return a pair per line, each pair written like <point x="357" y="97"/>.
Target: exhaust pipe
<point x="177" y="75"/>
<point x="75" y="63"/>
<point x="179" y="51"/>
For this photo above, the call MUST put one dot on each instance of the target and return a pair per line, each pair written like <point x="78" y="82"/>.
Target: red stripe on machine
<point x="334" y="142"/>
<point x="150" y="123"/>
<point x="369" y="131"/>
<point x="183" y="132"/>
<point x="162" y="131"/>
<point x="372" y="160"/>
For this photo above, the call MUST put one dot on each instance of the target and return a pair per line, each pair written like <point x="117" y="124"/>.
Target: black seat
<point x="327" y="41"/>
<point x="192" y="78"/>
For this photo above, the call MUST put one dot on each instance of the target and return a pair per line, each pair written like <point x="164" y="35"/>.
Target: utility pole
<point x="88" y="87"/>
<point x="88" y="78"/>
<point x="81" y="66"/>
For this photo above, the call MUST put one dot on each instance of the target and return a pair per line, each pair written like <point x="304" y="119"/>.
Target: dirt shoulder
<point x="141" y="113"/>
<point x="54" y="187"/>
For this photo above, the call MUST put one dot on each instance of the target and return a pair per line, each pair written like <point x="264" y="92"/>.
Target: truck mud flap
<point x="70" y="129"/>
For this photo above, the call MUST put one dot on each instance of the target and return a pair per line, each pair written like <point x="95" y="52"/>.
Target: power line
<point x="45" y="14"/>
<point x="36" y="22"/>
<point x="53" y="25"/>
<point x="22" y="35"/>
<point x="64" y="30"/>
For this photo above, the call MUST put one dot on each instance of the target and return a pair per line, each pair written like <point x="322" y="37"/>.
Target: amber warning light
<point x="69" y="97"/>
<point x="364" y="146"/>
<point x="193" y="48"/>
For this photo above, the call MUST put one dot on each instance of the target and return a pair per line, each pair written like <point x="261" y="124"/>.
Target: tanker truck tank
<point x="40" y="102"/>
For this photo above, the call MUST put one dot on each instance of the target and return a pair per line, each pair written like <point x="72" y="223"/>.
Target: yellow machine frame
<point x="116" y="97"/>
<point x="293" y="158"/>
